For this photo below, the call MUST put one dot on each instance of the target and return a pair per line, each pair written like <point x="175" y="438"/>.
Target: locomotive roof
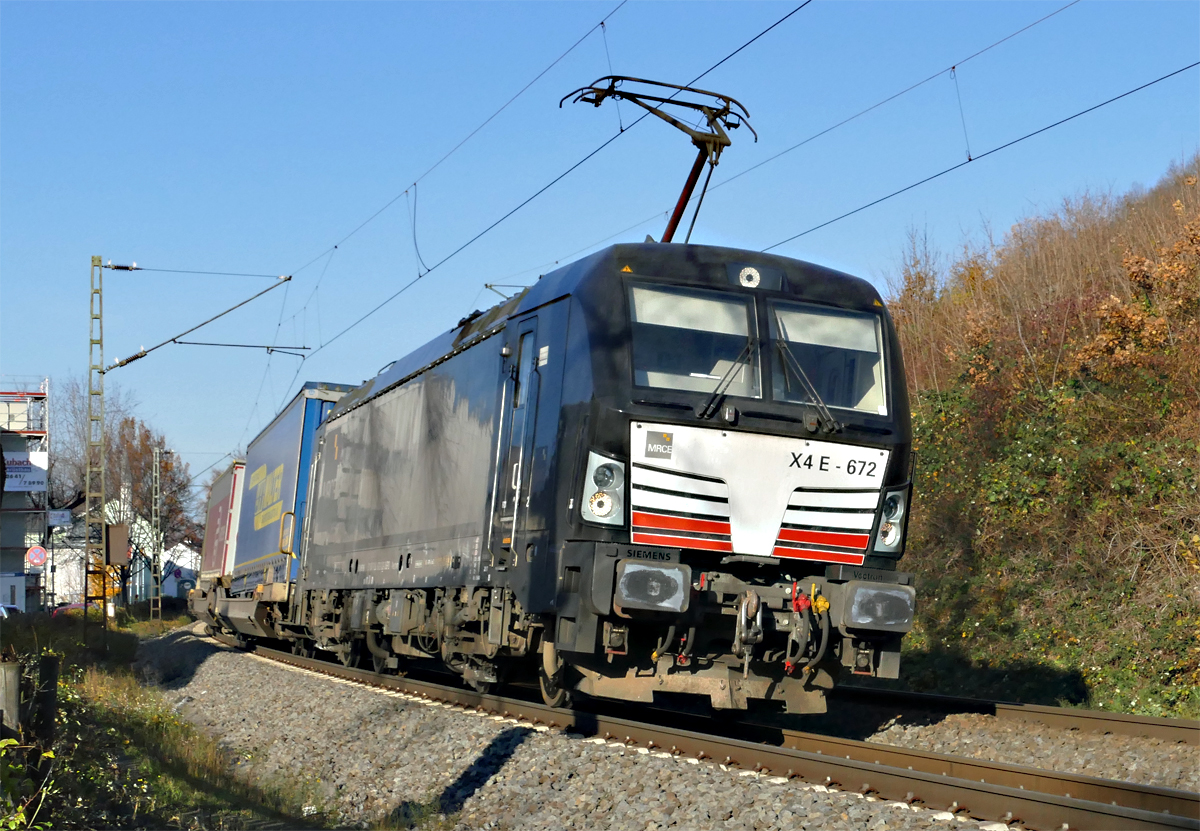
<point x="703" y="265"/>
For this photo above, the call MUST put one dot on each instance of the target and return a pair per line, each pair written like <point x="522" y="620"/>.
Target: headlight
<point x="891" y="506"/>
<point x="603" y="491"/>
<point x="601" y="504"/>
<point x="607" y="476"/>
<point x="892" y="522"/>
<point x="662" y="587"/>
<point x="886" y="608"/>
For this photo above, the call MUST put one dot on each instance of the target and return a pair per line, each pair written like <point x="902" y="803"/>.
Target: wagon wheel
<point x="351" y="654"/>
<point x="379" y="664"/>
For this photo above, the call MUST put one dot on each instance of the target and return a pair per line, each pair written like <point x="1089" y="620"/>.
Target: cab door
<point x="510" y="490"/>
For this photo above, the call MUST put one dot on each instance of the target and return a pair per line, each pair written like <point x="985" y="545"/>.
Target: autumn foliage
<point x="1055" y="380"/>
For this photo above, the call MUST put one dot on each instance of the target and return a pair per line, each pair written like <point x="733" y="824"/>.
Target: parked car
<point x="8" y="611"/>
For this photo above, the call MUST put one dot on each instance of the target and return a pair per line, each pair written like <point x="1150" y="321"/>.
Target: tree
<point x="129" y="445"/>
<point x="131" y="468"/>
<point x="68" y="437"/>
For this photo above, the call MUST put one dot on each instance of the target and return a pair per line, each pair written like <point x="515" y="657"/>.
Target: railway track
<point x="1065" y="718"/>
<point x="982" y="790"/>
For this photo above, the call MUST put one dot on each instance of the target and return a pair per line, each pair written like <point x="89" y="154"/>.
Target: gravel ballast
<point x="365" y="754"/>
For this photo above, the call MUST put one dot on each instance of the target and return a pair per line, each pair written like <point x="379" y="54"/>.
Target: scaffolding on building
<point x="25" y="428"/>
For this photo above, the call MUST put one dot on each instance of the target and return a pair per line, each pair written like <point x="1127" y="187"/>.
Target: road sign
<point x="36" y="556"/>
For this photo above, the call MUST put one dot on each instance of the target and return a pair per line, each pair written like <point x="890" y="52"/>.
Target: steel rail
<point x="984" y="790"/>
<point x="1184" y="731"/>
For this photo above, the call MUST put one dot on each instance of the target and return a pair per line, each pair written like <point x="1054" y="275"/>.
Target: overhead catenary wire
<point x="469" y="136"/>
<point x="270" y="348"/>
<point x="544" y="188"/>
<point x="412" y="216"/>
<point x="961" y="114"/>
<point x="548" y="263"/>
<point x="608" y="57"/>
<point x="984" y="155"/>
<point x="189" y="482"/>
<point x="144" y="352"/>
<point x="823" y="132"/>
<point x="413" y="222"/>
<point x="207" y="273"/>
<point x="893" y="96"/>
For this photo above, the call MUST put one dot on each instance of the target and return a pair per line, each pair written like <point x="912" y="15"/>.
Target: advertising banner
<point x="26" y="472"/>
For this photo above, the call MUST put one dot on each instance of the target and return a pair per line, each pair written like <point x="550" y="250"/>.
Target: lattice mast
<point x="157" y="540"/>
<point x="95" y="568"/>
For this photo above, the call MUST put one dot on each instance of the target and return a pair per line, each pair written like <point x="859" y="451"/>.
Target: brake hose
<point x="821" y="606"/>
<point x="664" y="643"/>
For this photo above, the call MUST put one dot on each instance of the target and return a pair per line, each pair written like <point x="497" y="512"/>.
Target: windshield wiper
<point x="789" y="361"/>
<point x="710" y="404"/>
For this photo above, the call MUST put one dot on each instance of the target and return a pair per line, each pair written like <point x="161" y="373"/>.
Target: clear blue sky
<point x="251" y="137"/>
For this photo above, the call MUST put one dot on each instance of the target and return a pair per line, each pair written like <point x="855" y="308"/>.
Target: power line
<point x="144" y="352"/>
<point x="412" y="215"/>
<point x="208" y="273"/>
<point x="189" y="482"/>
<point x="554" y="63"/>
<point x="471" y="135"/>
<point x="515" y="274"/>
<point x="985" y="155"/>
<point x="893" y="97"/>
<point x="827" y="130"/>
<point x="546" y="187"/>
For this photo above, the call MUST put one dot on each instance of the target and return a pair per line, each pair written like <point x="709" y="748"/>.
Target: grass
<point x="122" y="757"/>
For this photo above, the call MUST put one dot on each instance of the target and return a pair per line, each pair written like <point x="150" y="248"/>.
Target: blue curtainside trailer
<point x="273" y="510"/>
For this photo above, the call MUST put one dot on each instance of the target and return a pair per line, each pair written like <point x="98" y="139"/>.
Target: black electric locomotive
<point x="663" y="468"/>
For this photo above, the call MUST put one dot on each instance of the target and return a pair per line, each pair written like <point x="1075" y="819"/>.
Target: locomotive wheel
<point x="553" y="691"/>
<point x="550" y="678"/>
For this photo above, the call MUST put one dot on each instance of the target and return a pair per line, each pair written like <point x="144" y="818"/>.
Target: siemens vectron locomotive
<point x="662" y="469"/>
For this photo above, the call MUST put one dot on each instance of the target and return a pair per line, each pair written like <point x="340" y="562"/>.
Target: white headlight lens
<point x="893" y="517"/>
<point x="888" y="533"/>
<point x="601" y="504"/>
<point x="749" y="277"/>
<point x="602" y="491"/>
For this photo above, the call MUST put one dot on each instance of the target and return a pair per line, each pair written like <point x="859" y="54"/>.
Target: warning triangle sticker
<point x="627" y="269"/>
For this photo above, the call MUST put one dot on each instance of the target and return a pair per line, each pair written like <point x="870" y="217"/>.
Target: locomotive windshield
<point x="839" y="352"/>
<point x="688" y="339"/>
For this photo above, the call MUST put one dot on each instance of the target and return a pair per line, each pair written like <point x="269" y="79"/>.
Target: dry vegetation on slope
<point x="1055" y="382"/>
